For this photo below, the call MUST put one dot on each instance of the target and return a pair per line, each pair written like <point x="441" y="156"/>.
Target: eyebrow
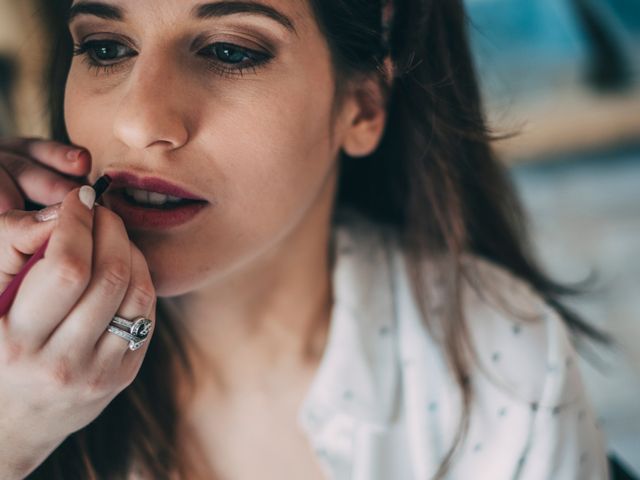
<point x="203" y="11"/>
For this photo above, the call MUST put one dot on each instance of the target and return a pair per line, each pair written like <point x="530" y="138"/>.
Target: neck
<point x="262" y="325"/>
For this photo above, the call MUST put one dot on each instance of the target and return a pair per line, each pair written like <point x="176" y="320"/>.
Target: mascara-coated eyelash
<point x="88" y="50"/>
<point x="94" y="49"/>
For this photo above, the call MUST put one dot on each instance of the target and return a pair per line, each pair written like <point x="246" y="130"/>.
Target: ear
<point x="365" y="119"/>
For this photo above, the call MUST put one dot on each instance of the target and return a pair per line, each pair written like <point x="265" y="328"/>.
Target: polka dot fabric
<point x="384" y="404"/>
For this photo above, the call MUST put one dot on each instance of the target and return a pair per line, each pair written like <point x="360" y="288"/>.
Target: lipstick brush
<point x="9" y="294"/>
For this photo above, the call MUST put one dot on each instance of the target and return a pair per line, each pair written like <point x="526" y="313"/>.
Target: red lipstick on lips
<point x="137" y="215"/>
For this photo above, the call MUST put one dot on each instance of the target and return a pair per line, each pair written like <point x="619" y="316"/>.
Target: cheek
<point x="73" y="107"/>
<point x="88" y="114"/>
<point x="274" y="151"/>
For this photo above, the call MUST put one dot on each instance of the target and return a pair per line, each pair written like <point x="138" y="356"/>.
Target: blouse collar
<point x="357" y="378"/>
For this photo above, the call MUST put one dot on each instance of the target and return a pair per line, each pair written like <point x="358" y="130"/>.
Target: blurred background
<point x="564" y="75"/>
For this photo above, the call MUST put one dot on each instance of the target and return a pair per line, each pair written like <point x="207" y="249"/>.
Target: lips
<point x="150" y="216"/>
<point x="122" y="180"/>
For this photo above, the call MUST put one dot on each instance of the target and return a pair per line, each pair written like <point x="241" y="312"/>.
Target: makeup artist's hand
<point x="40" y="170"/>
<point x="59" y="367"/>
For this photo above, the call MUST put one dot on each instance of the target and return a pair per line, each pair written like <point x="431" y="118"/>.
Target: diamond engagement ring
<point x="135" y="331"/>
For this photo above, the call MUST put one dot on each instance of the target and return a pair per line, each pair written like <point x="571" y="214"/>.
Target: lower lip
<point x="151" y="218"/>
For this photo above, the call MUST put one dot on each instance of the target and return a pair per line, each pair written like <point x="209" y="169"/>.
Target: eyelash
<point x="258" y="59"/>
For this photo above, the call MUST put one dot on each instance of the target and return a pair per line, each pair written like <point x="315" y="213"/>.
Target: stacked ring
<point x="135" y="331"/>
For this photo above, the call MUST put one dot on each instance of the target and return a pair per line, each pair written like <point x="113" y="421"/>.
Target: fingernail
<point x="77" y="154"/>
<point x="48" y="213"/>
<point x="72" y="155"/>
<point x="87" y="196"/>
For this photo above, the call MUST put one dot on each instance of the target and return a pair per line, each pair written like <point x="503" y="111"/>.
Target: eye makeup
<point x="225" y="58"/>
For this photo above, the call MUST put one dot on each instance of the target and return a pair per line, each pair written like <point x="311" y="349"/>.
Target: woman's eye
<point x="96" y="52"/>
<point x="108" y="51"/>
<point x="222" y="58"/>
<point x="102" y="50"/>
<point x="227" y="58"/>
<point x="228" y="53"/>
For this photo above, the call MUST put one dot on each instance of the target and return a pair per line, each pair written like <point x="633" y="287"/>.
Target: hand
<point x="59" y="367"/>
<point x="39" y="170"/>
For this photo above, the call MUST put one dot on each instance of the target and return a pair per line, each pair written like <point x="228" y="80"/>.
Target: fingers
<point x="54" y="284"/>
<point x="20" y="236"/>
<point x="36" y="181"/>
<point x="36" y="168"/>
<point x="112" y="352"/>
<point x="10" y="196"/>
<point x="61" y="157"/>
<point x="110" y="279"/>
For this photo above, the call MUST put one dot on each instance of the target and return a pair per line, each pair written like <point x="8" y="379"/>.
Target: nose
<point x="151" y="113"/>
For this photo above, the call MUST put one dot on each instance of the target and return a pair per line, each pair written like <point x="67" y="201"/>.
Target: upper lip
<point x="122" y="179"/>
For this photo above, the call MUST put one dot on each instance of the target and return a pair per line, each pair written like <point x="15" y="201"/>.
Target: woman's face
<point x="256" y="144"/>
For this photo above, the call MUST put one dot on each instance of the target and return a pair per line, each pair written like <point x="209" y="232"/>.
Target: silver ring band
<point x="134" y="342"/>
<point x="139" y="326"/>
<point x="134" y="331"/>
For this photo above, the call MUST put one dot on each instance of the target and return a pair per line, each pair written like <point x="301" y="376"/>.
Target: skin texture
<point x="251" y="274"/>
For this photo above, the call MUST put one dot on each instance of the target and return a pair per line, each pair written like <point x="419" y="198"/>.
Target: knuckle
<point x="143" y="295"/>
<point x="73" y="271"/>
<point x="100" y="382"/>
<point x="115" y="275"/>
<point x="11" y="352"/>
<point x="61" y="371"/>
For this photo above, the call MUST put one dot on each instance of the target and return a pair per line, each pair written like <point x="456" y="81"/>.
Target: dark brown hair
<point x="433" y="179"/>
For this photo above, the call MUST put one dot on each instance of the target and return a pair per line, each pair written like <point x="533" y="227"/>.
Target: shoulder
<point x="526" y="359"/>
<point x="521" y="343"/>
<point x="517" y="343"/>
<point x="528" y="396"/>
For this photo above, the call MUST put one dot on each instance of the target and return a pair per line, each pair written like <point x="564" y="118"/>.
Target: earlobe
<point x="367" y="121"/>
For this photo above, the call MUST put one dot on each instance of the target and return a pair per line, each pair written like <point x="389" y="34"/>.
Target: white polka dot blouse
<point x="384" y="404"/>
